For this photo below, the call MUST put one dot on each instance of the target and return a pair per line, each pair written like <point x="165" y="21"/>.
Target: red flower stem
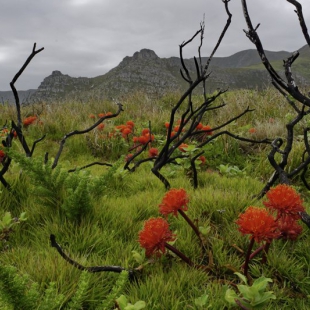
<point x="266" y="249"/>
<point x="238" y="302"/>
<point x="257" y="251"/>
<point x="191" y="224"/>
<point x="247" y="258"/>
<point x="180" y="254"/>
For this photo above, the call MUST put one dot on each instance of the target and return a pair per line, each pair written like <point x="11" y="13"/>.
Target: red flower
<point x="100" y="126"/>
<point x="208" y="129"/>
<point x="130" y="124"/>
<point x="202" y="159"/>
<point x="120" y="127"/>
<point x="92" y="116"/>
<point x="145" y="132"/>
<point x="29" y="120"/>
<point x="252" y="130"/>
<point x="101" y="115"/>
<point x="154" y="235"/>
<point x="126" y="131"/>
<point x="176" y="128"/>
<point x="2" y="156"/>
<point x="174" y="200"/>
<point x="167" y="124"/>
<point x="289" y="228"/>
<point x="128" y="157"/>
<point x="285" y="200"/>
<point x="182" y="147"/>
<point x="258" y="223"/>
<point x="199" y="126"/>
<point x="153" y="152"/>
<point x="143" y="139"/>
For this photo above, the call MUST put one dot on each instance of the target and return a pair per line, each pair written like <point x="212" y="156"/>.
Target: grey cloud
<point x="88" y="38"/>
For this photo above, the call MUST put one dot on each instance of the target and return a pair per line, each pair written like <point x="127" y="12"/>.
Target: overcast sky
<point x="89" y="37"/>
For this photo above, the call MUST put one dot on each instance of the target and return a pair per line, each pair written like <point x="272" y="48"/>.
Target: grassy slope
<point x="108" y="234"/>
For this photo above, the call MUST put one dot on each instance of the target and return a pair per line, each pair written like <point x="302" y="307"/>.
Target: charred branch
<point x="251" y="33"/>
<point x="90" y="165"/>
<point x="17" y="75"/>
<point x="80" y="132"/>
<point x="301" y="19"/>
<point x="93" y="269"/>
<point x="192" y="116"/>
<point x="289" y="90"/>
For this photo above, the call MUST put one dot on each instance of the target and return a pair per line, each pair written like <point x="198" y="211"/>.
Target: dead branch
<point x="17" y="75"/>
<point x="93" y="269"/>
<point x="80" y="132"/>
<point x="288" y="89"/>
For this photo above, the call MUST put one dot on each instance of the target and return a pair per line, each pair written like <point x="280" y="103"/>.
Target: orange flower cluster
<point x="285" y="201"/>
<point x="154" y="236"/>
<point x="258" y="223"/>
<point x="289" y="228"/>
<point x="144" y="138"/>
<point x="173" y="201"/>
<point x="182" y="147"/>
<point x="153" y="152"/>
<point x="100" y="126"/>
<point x="100" y="115"/>
<point x="126" y="129"/>
<point x="252" y="130"/>
<point x="202" y="159"/>
<point x="4" y="132"/>
<point x="128" y="157"/>
<point x="205" y="128"/>
<point x="29" y="120"/>
<point x="175" y="129"/>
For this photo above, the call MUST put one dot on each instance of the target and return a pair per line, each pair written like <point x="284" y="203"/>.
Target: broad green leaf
<point x="242" y="277"/>
<point x="230" y="296"/>
<point x="264" y="298"/>
<point x="247" y="291"/>
<point x="122" y="302"/>
<point x="204" y="230"/>
<point x="202" y="300"/>
<point x="140" y="305"/>
<point x="22" y="216"/>
<point x="190" y="148"/>
<point x="7" y="219"/>
<point x="261" y="283"/>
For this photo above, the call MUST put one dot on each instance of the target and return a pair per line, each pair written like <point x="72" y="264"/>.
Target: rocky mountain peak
<point x="145" y="54"/>
<point x="56" y="73"/>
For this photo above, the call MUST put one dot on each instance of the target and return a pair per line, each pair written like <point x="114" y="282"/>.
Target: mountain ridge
<point x="145" y="71"/>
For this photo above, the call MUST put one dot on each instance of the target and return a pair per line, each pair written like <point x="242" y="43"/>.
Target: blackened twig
<point x="117" y="269"/>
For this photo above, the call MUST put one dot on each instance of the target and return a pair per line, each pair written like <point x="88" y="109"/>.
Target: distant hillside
<point x="24" y="95"/>
<point x="146" y="72"/>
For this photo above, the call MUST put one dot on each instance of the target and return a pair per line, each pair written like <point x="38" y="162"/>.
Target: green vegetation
<point x="97" y="213"/>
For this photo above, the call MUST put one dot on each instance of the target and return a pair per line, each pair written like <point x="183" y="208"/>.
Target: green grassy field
<point x="97" y="213"/>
